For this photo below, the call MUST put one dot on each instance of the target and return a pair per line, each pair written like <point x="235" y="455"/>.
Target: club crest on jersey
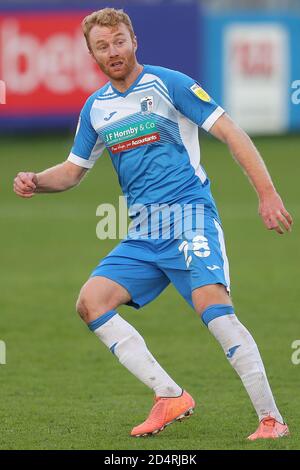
<point x="147" y="104"/>
<point x="200" y="93"/>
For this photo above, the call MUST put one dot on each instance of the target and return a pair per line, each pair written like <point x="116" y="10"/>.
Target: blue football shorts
<point x="145" y="267"/>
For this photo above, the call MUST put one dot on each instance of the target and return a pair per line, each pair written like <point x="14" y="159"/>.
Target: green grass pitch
<point x="62" y="389"/>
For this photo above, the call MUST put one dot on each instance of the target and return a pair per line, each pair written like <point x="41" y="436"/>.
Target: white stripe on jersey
<point x="148" y="77"/>
<point x="189" y="135"/>
<point x="96" y="152"/>
<point x="223" y="250"/>
<point x="207" y="125"/>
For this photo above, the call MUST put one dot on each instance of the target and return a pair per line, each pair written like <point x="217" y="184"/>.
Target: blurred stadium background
<point x="59" y="388"/>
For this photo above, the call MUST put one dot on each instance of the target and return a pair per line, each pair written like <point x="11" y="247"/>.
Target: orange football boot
<point x="269" y="428"/>
<point x="164" y="412"/>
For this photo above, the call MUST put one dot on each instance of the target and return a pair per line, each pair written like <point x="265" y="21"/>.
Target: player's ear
<point x="135" y="44"/>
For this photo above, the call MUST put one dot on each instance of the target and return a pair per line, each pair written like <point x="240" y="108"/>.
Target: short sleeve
<point x="88" y="146"/>
<point x="192" y="101"/>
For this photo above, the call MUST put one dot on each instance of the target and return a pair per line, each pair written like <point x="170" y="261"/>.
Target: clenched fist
<point x="25" y="184"/>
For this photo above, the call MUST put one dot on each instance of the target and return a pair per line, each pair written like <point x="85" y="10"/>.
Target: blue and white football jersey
<point x="151" y="134"/>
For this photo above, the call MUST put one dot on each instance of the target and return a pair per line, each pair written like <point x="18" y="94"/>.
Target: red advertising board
<point x="45" y="64"/>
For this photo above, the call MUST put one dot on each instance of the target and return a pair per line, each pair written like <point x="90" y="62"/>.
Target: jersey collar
<point x="129" y="90"/>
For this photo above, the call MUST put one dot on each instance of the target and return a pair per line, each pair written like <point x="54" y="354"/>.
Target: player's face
<point x="114" y="50"/>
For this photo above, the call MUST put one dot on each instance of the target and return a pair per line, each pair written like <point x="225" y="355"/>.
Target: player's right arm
<point x="56" y="179"/>
<point x="85" y="151"/>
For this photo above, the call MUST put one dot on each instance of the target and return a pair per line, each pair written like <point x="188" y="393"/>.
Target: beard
<point x="119" y="68"/>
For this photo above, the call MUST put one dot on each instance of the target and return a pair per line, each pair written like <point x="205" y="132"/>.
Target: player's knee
<point x="89" y="309"/>
<point x="212" y="294"/>
<point x="90" y="306"/>
<point x="81" y="308"/>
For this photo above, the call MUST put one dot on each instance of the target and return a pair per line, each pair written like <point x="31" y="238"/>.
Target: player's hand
<point x="25" y="184"/>
<point x="274" y="214"/>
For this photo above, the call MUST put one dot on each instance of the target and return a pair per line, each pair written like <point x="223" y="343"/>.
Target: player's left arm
<point x="271" y="208"/>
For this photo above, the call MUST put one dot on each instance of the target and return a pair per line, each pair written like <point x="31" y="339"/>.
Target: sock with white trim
<point x="243" y="354"/>
<point x="130" y="348"/>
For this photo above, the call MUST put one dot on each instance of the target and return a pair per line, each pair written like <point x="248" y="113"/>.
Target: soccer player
<point x="147" y="117"/>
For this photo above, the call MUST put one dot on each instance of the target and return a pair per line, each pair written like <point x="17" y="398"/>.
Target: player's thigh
<point x="130" y="265"/>
<point x="202" y="297"/>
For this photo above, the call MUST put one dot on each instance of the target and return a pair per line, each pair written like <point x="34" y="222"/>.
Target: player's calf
<point x="243" y="354"/>
<point x="97" y="302"/>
